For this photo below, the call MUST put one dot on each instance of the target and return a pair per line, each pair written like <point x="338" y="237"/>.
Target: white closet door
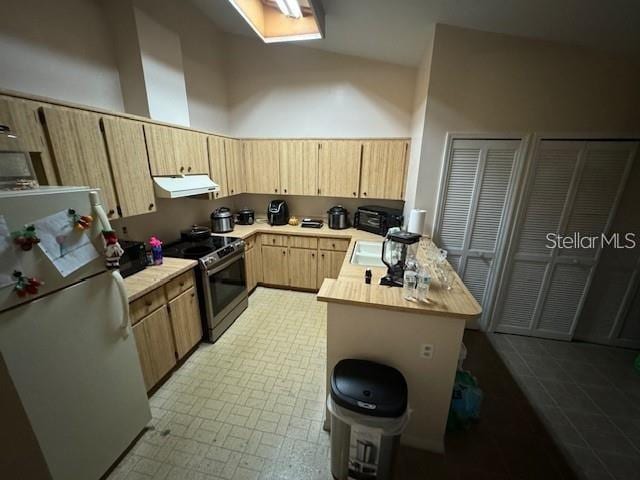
<point x="573" y="188"/>
<point x="478" y="181"/>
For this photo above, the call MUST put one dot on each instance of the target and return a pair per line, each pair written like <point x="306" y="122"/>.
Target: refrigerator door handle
<point x="124" y="300"/>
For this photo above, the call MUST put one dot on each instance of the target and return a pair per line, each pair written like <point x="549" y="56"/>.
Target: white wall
<point x="291" y="91"/>
<point x="60" y="49"/>
<point x="484" y="82"/>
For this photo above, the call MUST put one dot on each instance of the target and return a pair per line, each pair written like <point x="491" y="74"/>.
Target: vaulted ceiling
<point x="398" y="31"/>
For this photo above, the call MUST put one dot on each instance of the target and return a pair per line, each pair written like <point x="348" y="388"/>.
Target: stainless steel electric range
<point x="221" y="283"/>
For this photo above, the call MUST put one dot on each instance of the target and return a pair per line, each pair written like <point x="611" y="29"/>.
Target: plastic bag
<point x="385" y="426"/>
<point x="465" y="402"/>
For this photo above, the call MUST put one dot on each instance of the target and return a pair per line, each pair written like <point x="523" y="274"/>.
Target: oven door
<point x="370" y="222"/>
<point x="225" y="286"/>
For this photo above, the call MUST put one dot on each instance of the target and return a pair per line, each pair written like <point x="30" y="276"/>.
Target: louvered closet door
<point x="479" y="179"/>
<point x="573" y="188"/>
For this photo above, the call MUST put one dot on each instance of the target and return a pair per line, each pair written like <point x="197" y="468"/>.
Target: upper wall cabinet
<point x="299" y="167"/>
<point x="383" y="169"/>
<point x="21" y="118"/>
<point x="218" y="165"/>
<point x="236" y="181"/>
<point x="130" y="166"/>
<point x="339" y="168"/>
<point x="261" y="159"/>
<point x="79" y="152"/>
<point x="175" y="151"/>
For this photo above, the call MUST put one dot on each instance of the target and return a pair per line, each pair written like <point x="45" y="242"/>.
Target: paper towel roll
<point x="417" y="218"/>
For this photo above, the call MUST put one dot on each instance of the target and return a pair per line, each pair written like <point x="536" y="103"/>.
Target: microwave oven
<point x="377" y="219"/>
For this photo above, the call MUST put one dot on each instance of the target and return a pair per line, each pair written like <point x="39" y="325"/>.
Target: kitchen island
<point x="422" y="340"/>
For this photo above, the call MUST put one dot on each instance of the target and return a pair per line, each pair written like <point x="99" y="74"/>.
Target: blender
<point x="397" y="248"/>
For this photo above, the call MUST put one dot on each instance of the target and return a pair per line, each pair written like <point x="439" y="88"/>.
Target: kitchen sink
<point x="367" y="254"/>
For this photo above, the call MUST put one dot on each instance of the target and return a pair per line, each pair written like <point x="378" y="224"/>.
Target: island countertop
<point x="350" y="288"/>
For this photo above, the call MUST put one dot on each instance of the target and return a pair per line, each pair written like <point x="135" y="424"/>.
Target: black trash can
<point x="368" y="406"/>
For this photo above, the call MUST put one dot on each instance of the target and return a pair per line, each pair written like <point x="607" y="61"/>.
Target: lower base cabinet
<point x="168" y="326"/>
<point x="154" y="340"/>
<point x="252" y="263"/>
<point x="275" y="265"/>
<point x="185" y="321"/>
<point x="329" y="264"/>
<point x="303" y="268"/>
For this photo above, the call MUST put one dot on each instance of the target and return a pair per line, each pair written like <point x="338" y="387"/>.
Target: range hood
<point x="183" y="186"/>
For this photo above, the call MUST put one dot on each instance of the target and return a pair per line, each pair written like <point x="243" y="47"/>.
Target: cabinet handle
<point x="364" y="193"/>
<point x="147" y="303"/>
<point x="284" y="252"/>
<point x="275" y="190"/>
<point x="182" y="169"/>
<point x="285" y="190"/>
<point x="313" y="255"/>
<point x="182" y="284"/>
<point x="322" y="255"/>
<point x="318" y="191"/>
<point x="354" y="194"/>
<point x="189" y="169"/>
<point x="333" y="245"/>
<point x="273" y="240"/>
<point x="232" y="190"/>
<point x="111" y="212"/>
<point x="193" y="294"/>
<point x="151" y="206"/>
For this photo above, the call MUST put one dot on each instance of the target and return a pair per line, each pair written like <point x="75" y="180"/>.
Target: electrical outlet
<point x="426" y="351"/>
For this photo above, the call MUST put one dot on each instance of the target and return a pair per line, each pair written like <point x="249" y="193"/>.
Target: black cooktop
<point x="197" y="249"/>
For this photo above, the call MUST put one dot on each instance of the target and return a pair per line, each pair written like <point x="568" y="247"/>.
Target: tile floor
<point x="250" y="407"/>
<point x="588" y="396"/>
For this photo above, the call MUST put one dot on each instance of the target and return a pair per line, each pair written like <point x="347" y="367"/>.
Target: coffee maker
<point x="396" y="249"/>
<point x="278" y="212"/>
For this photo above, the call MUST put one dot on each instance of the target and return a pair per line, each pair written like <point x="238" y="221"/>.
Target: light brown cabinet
<point x="21" y="118"/>
<point x="253" y="263"/>
<point x="79" y="152"/>
<point x="299" y="167"/>
<point x="383" y="169"/>
<point x="130" y="166"/>
<point x="175" y="151"/>
<point x="329" y="265"/>
<point x="235" y="166"/>
<point x="185" y="321"/>
<point x="261" y="161"/>
<point x="303" y="267"/>
<point x="218" y="165"/>
<point x="275" y="265"/>
<point x="154" y="341"/>
<point x="339" y="168"/>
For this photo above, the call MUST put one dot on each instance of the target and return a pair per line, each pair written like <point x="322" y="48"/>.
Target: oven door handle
<point x="224" y="265"/>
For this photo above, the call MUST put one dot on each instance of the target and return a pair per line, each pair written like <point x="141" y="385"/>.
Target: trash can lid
<point x="369" y="388"/>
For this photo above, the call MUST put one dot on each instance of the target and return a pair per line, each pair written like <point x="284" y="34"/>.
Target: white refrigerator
<point x="69" y="349"/>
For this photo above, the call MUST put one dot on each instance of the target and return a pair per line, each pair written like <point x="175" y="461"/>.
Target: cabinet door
<point x="339" y="168"/>
<point x="262" y="166"/>
<point x="249" y="268"/>
<point x="160" y="342"/>
<point x="191" y="152"/>
<point x="329" y="265"/>
<point x="217" y="165"/>
<point x="185" y="320"/>
<point x="299" y="167"/>
<point x="275" y="265"/>
<point x="130" y="166"/>
<point x="144" y="354"/>
<point x="235" y="166"/>
<point x="162" y="150"/>
<point x="21" y="117"/>
<point x="303" y="268"/>
<point x="383" y="169"/>
<point x="79" y="152"/>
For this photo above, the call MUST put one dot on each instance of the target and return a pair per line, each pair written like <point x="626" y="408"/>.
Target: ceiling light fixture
<point x="290" y="8"/>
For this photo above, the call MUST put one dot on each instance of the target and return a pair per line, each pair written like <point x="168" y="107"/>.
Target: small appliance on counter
<point x="378" y="220"/>
<point x="245" y="216"/>
<point x="134" y="258"/>
<point x="221" y="220"/>
<point x="396" y="249"/>
<point x="338" y="218"/>
<point x="278" y="212"/>
<point x="311" y="223"/>
<point x="195" y="233"/>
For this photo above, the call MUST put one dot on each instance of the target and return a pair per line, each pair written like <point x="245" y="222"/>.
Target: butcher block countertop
<point x="155" y="276"/>
<point x="349" y="287"/>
